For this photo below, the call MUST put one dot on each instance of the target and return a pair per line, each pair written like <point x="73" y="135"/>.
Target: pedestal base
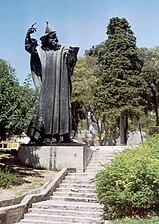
<point x="56" y="156"/>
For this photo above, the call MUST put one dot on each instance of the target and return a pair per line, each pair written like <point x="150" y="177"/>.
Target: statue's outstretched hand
<point x="32" y="29"/>
<point x="31" y="43"/>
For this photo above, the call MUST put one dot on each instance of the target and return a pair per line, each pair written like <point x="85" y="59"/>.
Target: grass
<point x="8" y="179"/>
<point x="152" y="220"/>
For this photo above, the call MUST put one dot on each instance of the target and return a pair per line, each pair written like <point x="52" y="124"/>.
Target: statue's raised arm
<point x="31" y="43"/>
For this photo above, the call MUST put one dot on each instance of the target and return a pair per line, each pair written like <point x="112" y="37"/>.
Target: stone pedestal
<point x="56" y="156"/>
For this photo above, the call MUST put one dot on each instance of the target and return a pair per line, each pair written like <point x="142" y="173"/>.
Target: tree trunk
<point x="99" y="133"/>
<point x="2" y="132"/>
<point x="87" y="121"/>
<point x="123" y="128"/>
<point x="140" y="132"/>
<point x="155" y="105"/>
<point x="156" y="112"/>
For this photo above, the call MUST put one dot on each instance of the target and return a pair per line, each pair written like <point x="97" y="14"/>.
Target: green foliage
<point x="153" y="130"/>
<point x="8" y="179"/>
<point x="128" y="186"/>
<point x="17" y="102"/>
<point x="108" y="127"/>
<point x="84" y="84"/>
<point x="85" y="81"/>
<point x="151" y="220"/>
<point x="150" y="72"/>
<point x="143" y="123"/>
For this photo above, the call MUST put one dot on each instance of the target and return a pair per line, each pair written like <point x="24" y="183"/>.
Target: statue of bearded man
<point x="52" y="66"/>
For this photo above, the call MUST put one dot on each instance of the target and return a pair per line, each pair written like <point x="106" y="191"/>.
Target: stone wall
<point x="56" y="156"/>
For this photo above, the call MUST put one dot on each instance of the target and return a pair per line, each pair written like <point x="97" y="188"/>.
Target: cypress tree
<point x="122" y="88"/>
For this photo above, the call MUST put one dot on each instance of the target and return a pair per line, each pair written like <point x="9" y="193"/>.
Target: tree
<point x="150" y="73"/>
<point x="86" y="102"/>
<point x="123" y="90"/>
<point x="85" y="81"/>
<point x="16" y="102"/>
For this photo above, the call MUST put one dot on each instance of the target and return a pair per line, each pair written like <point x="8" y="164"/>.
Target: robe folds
<point x="52" y="74"/>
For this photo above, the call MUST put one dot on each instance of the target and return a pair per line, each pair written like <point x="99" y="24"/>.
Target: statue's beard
<point x="51" y="45"/>
<point x="54" y="45"/>
<point x="53" y="42"/>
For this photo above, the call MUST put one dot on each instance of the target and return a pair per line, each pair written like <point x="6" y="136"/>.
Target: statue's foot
<point x="71" y="140"/>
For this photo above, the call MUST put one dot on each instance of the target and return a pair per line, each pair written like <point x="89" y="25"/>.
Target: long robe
<point x="52" y="74"/>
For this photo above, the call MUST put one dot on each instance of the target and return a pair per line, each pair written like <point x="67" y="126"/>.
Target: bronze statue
<point x="52" y="66"/>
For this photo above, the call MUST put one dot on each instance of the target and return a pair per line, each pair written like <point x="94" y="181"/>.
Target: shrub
<point x="7" y="178"/>
<point x="153" y="130"/>
<point x="128" y="186"/>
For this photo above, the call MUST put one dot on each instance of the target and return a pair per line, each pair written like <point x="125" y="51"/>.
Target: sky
<point x="81" y="23"/>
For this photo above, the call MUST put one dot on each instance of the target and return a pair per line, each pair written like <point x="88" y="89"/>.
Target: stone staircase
<point x="74" y="200"/>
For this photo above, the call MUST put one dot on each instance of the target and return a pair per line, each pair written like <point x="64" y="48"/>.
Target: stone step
<point x="100" y="157"/>
<point x="92" y="169"/>
<point x="59" y="218"/>
<point x="85" y="174"/>
<point x="27" y="221"/>
<point x="78" y="199"/>
<point x="94" y="166"/>
<point x="60" y="212"/>
<point x="72" y="189"/>
<point x="62" y="205"/>
<point x="78" y="181"/>
<point x="79" y="178"/>
<point x="73" y="194"/>
<point x="77" y="185"/>
<point x="80" y="175"/>
<point x="103" y="152"/>
<point x="97" y="163"/>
